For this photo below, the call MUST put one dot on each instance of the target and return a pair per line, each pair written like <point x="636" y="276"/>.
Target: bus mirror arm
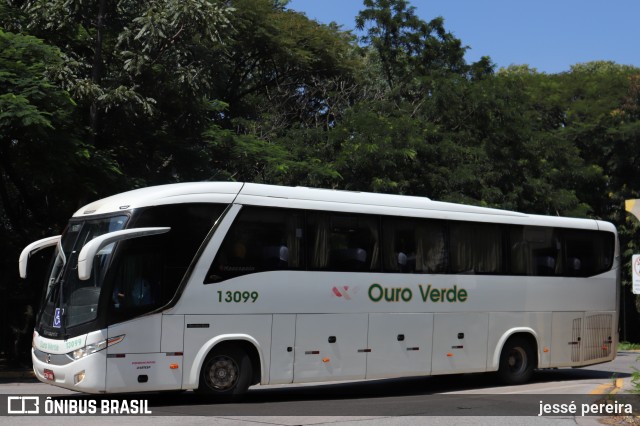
<point x="32" y="249"/>
<point x="89" y="251"/>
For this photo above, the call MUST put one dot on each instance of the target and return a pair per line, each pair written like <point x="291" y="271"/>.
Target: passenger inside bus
<point x="137" y="284"/>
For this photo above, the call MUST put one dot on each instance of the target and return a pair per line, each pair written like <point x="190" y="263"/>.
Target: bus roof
<point x="320" y="199"/>
<point x="177" y="193"/>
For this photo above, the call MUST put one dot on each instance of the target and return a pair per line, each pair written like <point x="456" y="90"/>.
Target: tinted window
<point x="475" y="248"/>
<point x="266" y="239"/>
<point x="261" y="239"/>
<point x="587" y="252"/>
<point x="147" y="271"/>
<point x="534" y="250"/>
<point x="343" y="242"/>
<point x="414" y="245"/>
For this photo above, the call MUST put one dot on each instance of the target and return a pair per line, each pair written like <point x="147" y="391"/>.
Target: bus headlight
<point x="95" y="347"/>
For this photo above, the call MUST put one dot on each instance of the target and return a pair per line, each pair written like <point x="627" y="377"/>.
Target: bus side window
<point x="138" y="280"/>
<point x="432" y="253"/>
<point x="414" y="245"/>
<point x="399" y="244"/>
<point x="534" y="251"/>
<point x="261" y="239"/>
<point x="148" y="271"/>
<point x="476" y="248"/>
<point x="343" y="242"/>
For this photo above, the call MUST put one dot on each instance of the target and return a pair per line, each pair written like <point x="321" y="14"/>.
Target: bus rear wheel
<point x="226" y="373"/>
<point x="516" y="361"/>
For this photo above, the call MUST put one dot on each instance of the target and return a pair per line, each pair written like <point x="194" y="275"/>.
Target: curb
<point x="608" y="391"/>
<point x="608" y="388"/>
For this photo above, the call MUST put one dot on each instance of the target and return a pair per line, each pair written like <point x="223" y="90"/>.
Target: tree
<point x="284" y="81"/>
<point x="40" y="148"/>
<point x="140" y="77"/>
<point x="407" y="46"/>
<point x="282" y="70"/>
<point x="42" y="154"/>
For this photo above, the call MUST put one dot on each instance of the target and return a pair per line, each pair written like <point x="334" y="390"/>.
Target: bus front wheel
<point x="226" y="372"/>
<point x="516" y="361"/>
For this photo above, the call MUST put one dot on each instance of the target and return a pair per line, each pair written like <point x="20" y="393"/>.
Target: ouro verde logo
<point x="428" y="294"/>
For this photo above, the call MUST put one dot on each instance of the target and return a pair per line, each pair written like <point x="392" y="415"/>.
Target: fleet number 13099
<point x="237" y="296"/>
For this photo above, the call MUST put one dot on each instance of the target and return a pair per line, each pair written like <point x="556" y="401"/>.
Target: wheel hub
<point x="223" y="373"/>
<point x="517" y="360"/>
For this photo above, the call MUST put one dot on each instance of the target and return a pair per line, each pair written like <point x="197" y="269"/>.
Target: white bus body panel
<point x="460" y="343"/>
<point x="138" y="355"/>
<point x="172" y="333"/>
<point x="282" y="349"/>
<point x="125" y="374"/>
<point x="496" y="308"/>
<point x="330" y="347"/>
<point x="400" y="345"/>
<point x="294" y="292"/>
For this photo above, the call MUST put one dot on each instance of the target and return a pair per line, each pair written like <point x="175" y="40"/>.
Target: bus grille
<point x="575" y="337"/>
<point x="53" y="359"/>
<point x="597" y="337"/>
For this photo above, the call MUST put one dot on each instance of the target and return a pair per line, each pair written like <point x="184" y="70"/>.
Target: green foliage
<point x="25" y="90"/>
<point x="378" y="148"/>
<point x="408" y="47"/>
<point x="39" y="146"/>
<point x="635" y="378"/>
<point x="627" y="346"/>
<point x="46" y="167"/>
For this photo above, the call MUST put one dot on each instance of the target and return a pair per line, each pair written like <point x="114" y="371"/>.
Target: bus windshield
<point x="68" y="301"/>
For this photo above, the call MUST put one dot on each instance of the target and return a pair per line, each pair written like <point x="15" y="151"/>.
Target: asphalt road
<point x="472" y="398"/>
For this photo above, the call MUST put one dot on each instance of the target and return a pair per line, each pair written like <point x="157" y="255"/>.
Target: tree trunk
<point x="96" y="72"/>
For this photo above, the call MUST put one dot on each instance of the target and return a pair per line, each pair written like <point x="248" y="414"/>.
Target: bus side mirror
<point x="32" y="249"/>
<point x="89" y="251"/>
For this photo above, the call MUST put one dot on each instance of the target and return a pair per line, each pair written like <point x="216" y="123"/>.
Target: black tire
<point x="517" y="361"/>
<point x="226" y="373"/>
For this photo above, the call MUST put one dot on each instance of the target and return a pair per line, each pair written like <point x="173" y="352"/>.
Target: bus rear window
<point x="587" y="253"/>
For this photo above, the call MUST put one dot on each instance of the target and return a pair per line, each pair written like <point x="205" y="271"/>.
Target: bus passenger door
<point x="400" y="345"/>
<point x="330" y="347"/>
<point x="460" y="343"/>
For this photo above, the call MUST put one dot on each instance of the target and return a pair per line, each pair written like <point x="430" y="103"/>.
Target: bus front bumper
<point x="83" y="375"/>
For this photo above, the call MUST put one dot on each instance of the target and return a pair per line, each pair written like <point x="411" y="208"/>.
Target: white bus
<point x="219" y="286"/>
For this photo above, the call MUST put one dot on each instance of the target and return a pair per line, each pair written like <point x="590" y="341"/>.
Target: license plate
<point x="48" y="374"/>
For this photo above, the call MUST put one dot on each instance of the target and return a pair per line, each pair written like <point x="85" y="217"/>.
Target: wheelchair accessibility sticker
<point x="57" y="322"/>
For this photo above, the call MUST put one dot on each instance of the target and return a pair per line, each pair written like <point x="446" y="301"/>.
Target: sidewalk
<point x="609" y="391"/>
